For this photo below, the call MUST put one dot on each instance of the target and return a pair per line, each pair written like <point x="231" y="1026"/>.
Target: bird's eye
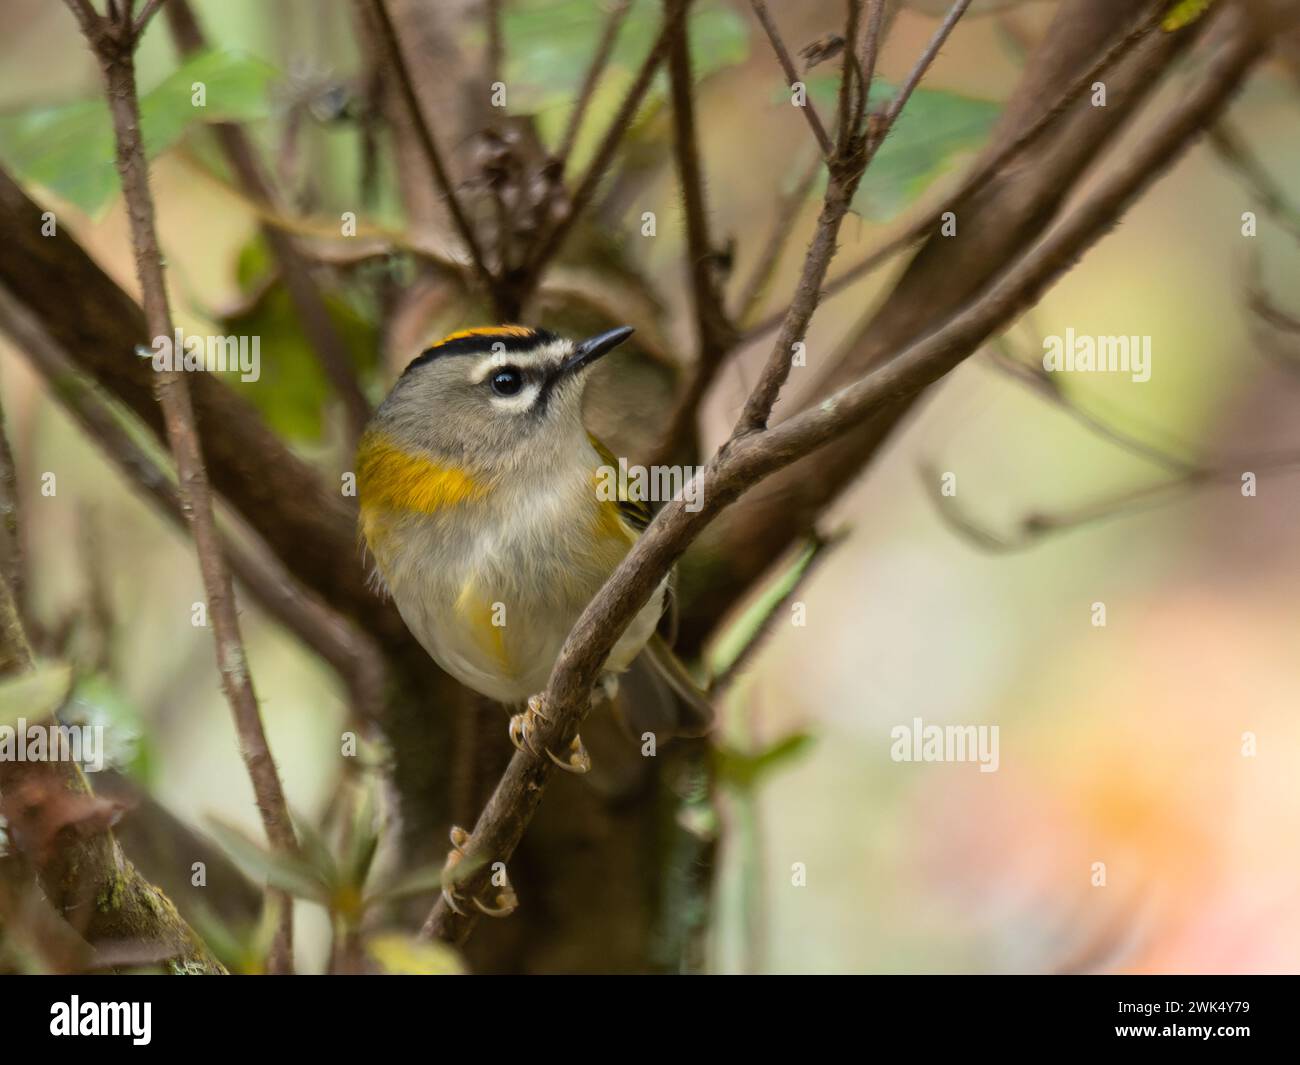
<point x="507" y="381"/>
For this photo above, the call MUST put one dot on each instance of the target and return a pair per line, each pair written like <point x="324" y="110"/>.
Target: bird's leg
<point x="506" y="900"/>
<point x="523" y="728"/>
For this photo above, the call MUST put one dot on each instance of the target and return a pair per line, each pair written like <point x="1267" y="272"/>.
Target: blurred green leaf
<point x="550" y="44"/>
<point x="1184" y="13"/>
<point x="287" y="873"/>
<point x="96" y="700"/>
<point x="70" y="149"/>
<point x="743" y="771"/>
<point x="316" y="852"/>
<point x="933" y="129"/>
<point x="291" y="391"/>
<point x="35" y="695"/>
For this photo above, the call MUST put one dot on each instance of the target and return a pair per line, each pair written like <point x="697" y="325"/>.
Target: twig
<point x="604" y="50"/>
<point x="114" y="46"/>
<point x="1037" y="379"/>
<point x="551" y="242"/>
<point x="424" y="134"/>
<point x="818" y="548"/>
<point x="870" y="55"/>
<point x="922" y="65"/>
<point x="792" y="75"/>
<point x="747" y="458"/>
<point x="852" y="100"/>
<point x="981" y="174"/>
<point x="846" y="169"/>
<point x="298" y="281"/>
<point x="1232" y="148"/>
<point x="353" y="657"/>
<point x="1033" y="528"/>
<point x="714" y="332"/>
<point x="496" y="49"/>
<point x="142" y="20"/>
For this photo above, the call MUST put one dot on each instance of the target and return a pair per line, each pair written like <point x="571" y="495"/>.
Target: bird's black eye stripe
<point x="507" y="381"/>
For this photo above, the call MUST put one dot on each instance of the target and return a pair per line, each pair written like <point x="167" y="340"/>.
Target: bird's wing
<point x="634" y="512"/>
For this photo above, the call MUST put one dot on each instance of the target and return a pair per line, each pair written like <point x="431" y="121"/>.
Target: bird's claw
<point x="523" y="729"/>
<point x="506" y="901"/>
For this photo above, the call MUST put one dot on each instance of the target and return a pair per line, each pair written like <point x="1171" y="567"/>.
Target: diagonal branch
<point x="352" y="655"/>
<point x="392" y="48"/>
<point x="923" y="64"/>
<point x="604" y="50"/>
<point x="551" y="242"/>
<point x="750" y="456"/>
<point x="792" y="75"/>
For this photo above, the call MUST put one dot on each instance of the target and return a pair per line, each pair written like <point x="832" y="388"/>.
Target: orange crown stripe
<point x="488" y="331"/>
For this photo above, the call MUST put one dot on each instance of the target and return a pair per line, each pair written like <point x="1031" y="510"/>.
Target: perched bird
<point x="477" y="483"/>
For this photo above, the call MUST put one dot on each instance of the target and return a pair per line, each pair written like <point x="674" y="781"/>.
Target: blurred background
<point x="1120" y="744"/>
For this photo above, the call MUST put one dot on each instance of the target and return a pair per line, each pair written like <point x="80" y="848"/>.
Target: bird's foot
<point x="503" y="904"/>
<point x="523" y="730"/>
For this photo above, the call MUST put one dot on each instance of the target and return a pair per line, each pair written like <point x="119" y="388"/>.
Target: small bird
<point x="477" y="485"/>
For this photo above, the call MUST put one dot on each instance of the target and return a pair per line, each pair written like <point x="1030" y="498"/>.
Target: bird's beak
<point x="590" y="350"/>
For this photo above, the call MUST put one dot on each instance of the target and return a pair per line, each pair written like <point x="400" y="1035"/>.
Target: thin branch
<point x="852" y="90"/>
<point x="818" y="549"/>
<point x="303" y="291"/>
<point x="116" y="60"/>
<point x="550" y="243"/>
<point x="1038" y="380"/>
<point x="496" y="48"/>
<point x="1231" y="147"/>
<point x="1036" y="527"/>
<point x="792" y="75"/>
<point x="981" y="174"/>
<point x="604" y="50"/>
<point x="147" y="13"/>
<point x="714" y="332"/>
<point x="424" y="134"/>
<point x="870" y="55"/>
<point x="923" y="64"/>
<point x="747" y="458"/>
<point x="352" y="655"/>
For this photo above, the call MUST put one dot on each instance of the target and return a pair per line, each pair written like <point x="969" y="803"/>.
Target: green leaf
<point x="69" y="149"/>
<point x="35" y="695"/>
<point x="128" y="747"/>
<point x="743" y="771"/>
<point x="316" y="852"/>
<point x="285" y="872"/>
<point x="291" y="390"/>
<point x="933" y="128"/>
<point x="1184" y="13"/>
<point x="549" y="45"/>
